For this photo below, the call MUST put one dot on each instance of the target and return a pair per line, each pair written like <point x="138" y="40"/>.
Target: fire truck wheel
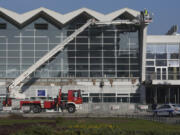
<point x="71" y="109"/>
<point x="36" y="109"/>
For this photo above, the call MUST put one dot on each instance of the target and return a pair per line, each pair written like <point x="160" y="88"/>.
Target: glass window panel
<point x="82" y="60"/>
<point x="109" y="67"/>
<point x="173" y="63"/>
<point x="2" y="67"/>
<point x="123" y="61"/>
<point x="27" y="60"/>
<point x="13" y="53"/>
<point x="71" y="67"/>
<point x="133" y="54"/>
<point x="123" y="42"/>
<point x="71" y="46"/>
<point x="12" y="73"/>
<point x="109" y="74"/>
<point x="81" y="53"/>
<point x="71" y="74"/>
<point x="41" y="47"/>
<point x="94" y="39"/>
<point x="150" y="56"/>
<point x="122" y="74"/>
<point x="2" y="60"/>
<point x="96" y="99"/>
<point x="27" y="53"/>
<point x="96" y="74"/>
<point x="109" y="54"/>
<point x="173" y="55"/>
<point x="134" y="44"/>
<point x="123" y="99"/>
<point x="71" y="60"/>
<point x="134" y="60"/>
<point x="161" y="56"/>
<point x="81" y="67"/>
<point x="2" y="53"/>
<point x="95" y="53"/>
<point x="13" y="46"/>
<point x="13" y="60"/>
<point x="81" y="40"/>
<point x="85" y="99"/>
<point x="173" y="70"/>
<point x="27" y="33"/>
<point x="96" y="47"/>
<point x="109" y="99"/>
<point x="150" y="70"/>
<point x="28" y="40"/>
<point x="150" y="63"/>
<point x="151" y="49"/>
<point x="84" y="33"/>
<point x="108" y="40"/>
<point x="109" y="33"/>
<point x="82" y="47"/>
<point x="27" y="46"/>
<point x="40" y="53"/>
<point x="161" y="62"/>
<point x="81" y="74"/>
<point x="2" y="40"/>
<point x="123" y="53"/>
<point x="173" y="48"/>
<point x="41" y="40"/>
<point x="71" y="53"/>
<point x="109" y="60"/>
<point x="2" y="46"/>
<point x="54" y="73"/>
<point x="2" y="74"/>
<point x="134" y="67"/>
<point x="160" y="48"/>
<point x="24" y="67"/>
<point x="134" y="74"/>
<point x="95" y="32"/>
<point x="123" y="67"/>
<point x="96" y="60"/>
<point x="109" y="47"/>
<point x="54" y="67"/>
<point x="96" y="67"/>
<point x="135" y="99"/>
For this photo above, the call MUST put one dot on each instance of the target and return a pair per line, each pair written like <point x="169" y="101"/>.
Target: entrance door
<point x="161" y="73"/>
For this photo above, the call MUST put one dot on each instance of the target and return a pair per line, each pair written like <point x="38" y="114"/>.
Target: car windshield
<point x="176" y="105"/>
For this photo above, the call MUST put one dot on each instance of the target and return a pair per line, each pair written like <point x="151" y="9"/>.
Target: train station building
<point x="112" y="61"/>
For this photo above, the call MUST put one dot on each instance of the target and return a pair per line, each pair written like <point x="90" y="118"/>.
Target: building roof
<point x="158" y="39"/>
<point x="64" y="18"/>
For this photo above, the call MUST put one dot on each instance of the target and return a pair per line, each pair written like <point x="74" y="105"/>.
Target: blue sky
<point x="166" y="12"/>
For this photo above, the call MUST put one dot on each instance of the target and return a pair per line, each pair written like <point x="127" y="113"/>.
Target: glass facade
<point x="96" y="52"/>
<point x="162" y="61"/>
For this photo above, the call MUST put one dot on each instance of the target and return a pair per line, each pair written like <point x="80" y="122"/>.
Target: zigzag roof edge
<point x="117" y="13"/>
<point x="64" y="18"/>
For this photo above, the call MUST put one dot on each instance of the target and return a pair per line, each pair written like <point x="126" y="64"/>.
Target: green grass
<point x="91" y="126"/>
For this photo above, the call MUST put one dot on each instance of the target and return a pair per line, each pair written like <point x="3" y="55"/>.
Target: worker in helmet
<point x="145" y="12"/>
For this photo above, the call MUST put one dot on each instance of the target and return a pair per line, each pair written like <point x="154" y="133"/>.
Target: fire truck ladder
<point x="14" y="92"/>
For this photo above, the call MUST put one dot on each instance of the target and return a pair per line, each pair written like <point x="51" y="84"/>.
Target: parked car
<point x="177" y="108"/>
<point x="165" y="110"/>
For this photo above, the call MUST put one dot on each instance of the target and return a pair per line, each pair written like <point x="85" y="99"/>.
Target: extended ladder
<point x="47" y="56"/>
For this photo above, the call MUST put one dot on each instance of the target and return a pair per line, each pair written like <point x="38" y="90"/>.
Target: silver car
<point x="165" y="110"/>
<point x="177" y="108"/>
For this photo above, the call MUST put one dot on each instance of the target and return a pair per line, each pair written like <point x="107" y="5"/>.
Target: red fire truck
<point x="70" y="102"/>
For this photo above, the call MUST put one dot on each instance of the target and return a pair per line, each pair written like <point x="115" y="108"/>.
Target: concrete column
<point x="155" y="95"/>
<point x="143" y="37"/>
<point x="143" y="94"/>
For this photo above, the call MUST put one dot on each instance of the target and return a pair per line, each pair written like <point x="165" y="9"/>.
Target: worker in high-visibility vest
<point x="145" y="12"/>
